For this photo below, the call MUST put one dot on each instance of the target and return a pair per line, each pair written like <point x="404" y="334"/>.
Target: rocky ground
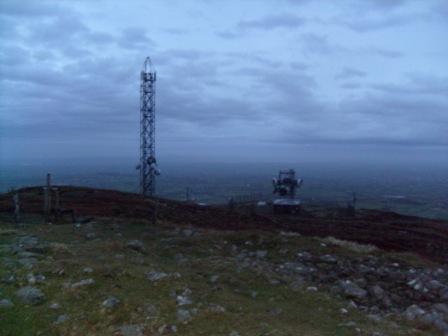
<point x="118" y="276"/>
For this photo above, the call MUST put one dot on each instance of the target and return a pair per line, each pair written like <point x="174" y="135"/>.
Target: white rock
<point x="83" y="283"/>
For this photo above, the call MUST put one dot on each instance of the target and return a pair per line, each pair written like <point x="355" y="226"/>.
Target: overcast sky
<point x="236" y="79"/>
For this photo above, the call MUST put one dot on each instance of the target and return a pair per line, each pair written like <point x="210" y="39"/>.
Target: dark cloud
<point x="272" y="22"/>
<point x="366" y="24"/>
<point x="320" y="44"/>
<point x="228" y="35"/>
<point x="350" y="73"/>
<point x="29" y="9"/>
<point x="135" y="38"/>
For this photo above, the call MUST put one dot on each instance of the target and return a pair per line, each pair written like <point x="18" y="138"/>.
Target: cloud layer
<point x="287" y="73"/>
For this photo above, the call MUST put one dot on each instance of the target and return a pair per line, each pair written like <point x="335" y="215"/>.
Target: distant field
<point x="418" y="191"/>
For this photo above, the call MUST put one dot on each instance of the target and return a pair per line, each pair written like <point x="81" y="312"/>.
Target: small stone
<point x="306" y="256"/>
<point x="275" y="311"/>
<point x="297" y="284"/>
<point x="377" y="292"/>
<point x="28" y="263"/>
<point x="188" y="232"/>
<point x="442" y="308"/>
<point x="30" y="295"/>
<point x="328" y="259"/>
<point x="5" y="303"/>
<point x="61" y="319"/>
<point x="442" y="326"/>
<point x="90" y="235"/>
<point x="151" y="310"/>
<point x="213" y="279"/>
<point x="111" y="302"/>
<point x="375" y="318"/>
<point x="55" y="306"/>
<point x="343" y="311"/>
<point x="31" y="279"/>
<point x="59" y="248"/>
<point x="311" y="289"/>
<point x="9" y="279"/>
<point x="184" y="299"/>
<point x="261" y="254"/>
<point x="87" y="270"/>
<point x="131" y="330"/>
<point x="156" y="276"/>
<point x="183" y="315"/>
<point x="253" y="294"/>
<point x="82" y="283"/>
<point x="135" y="245"/>
<point x="352" y="290"/>
<point x="215" y="308"/>
<point x="413" y="312"/>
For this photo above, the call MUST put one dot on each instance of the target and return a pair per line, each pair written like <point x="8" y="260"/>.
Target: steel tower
<point x="148" y="165"/>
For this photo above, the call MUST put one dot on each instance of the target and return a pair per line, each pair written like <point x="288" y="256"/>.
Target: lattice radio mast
<point x="148" y="164"/>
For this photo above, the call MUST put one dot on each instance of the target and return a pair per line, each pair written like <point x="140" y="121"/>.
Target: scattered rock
<point x="306" y="256"/>
<point x="5" y="303"/>
<point x="275" y="311"/>
<point x="28" y="263"/>
<point x="131" y="330"/>
<point x="215" y="308"/>
<point x="442" y="308"/>
<point x="61" y="319"/>
<point x="297" y="284"/>
<point x="184" y="299"/>
<point x="213" y="279"/>
<point x="88" y="270"/>
<point x="377" y="292"/>
<point x="183" y="315"/>
<point x="413" y="312"/>
<point x="289" y="234"/>
<point x="83" y="283"/>
<point x="33" y="279"/>
<point x="55" y="306"/>
<point x="151" y="310"/>
<point x="111" y="302"/>
<point x="352" y="290"/>
<point x="59" y="248"/>
<point x="8" y="279"/>
<point x="329" y="259"/>
<point x="188" y="232"/>
<point x="156" y="276"/>
<point x="312" y="289"/>
<point x="30" y="295"/>
<point x="90" y="235"/>
<point x="136" y="245"/>
<point x="375" y="318"/>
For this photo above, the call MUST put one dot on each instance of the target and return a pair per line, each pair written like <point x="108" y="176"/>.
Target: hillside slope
<point x="212" y="271"/>
<point x="387" y="230"/>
